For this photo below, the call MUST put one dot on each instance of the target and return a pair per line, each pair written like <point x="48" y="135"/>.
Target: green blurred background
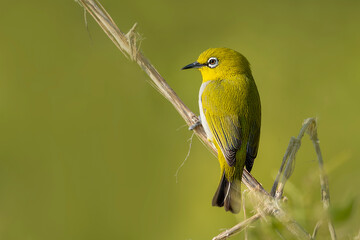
<point x="89" y="150"/>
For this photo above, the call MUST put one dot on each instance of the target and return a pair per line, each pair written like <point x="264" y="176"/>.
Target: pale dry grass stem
<point x="265" y="203"/>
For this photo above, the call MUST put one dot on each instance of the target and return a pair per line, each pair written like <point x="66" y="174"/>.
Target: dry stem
<point x="237" y="228"/>
<point x="325" y="192"/>
<point x="289" y="158"/>
<point x="244" y="211"/>
<point x="310" y="127"/>
<point x="317" y="226"/>
<point x="127" y="44"/>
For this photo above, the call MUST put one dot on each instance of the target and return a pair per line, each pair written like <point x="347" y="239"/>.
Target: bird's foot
<point x="195" y="125"/>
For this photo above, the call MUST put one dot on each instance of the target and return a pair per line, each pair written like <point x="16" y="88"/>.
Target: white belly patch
<point x="202" y="115"/>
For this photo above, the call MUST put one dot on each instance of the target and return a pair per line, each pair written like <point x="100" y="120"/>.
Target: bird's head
<point x="220" y="63"/>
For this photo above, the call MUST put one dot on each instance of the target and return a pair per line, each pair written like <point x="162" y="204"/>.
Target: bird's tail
<point x="228" y="195"/>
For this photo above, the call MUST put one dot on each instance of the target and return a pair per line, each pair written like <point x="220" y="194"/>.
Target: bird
<point x="230" y="113"/>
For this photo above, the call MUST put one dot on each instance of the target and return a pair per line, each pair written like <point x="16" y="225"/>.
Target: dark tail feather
<point x="218" y="199"/>
<point x="228" y="195"/>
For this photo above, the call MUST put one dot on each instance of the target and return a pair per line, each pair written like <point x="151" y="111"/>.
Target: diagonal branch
<point x="237" y="228"/>
<point x="126" y="43"/>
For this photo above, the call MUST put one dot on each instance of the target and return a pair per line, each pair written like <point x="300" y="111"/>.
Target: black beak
<point x="193" y="65"/>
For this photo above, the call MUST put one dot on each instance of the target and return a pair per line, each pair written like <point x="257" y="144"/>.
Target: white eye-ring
<point x="213" y="62"/>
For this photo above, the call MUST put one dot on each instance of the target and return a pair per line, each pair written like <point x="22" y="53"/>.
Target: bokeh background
<point x="89" y="150"/>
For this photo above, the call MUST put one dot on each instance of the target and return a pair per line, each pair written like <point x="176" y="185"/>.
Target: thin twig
<point x="325" y="192"/>
<point x="237" y="228"/>
<point x="244" y="211"/>
<point x="271" y="207"/>
<point x="310" y="127"/>
<point x="127" y="45"/>
<point x="187" y="156"/>
<point x="283" y="163"/>
<point x="317" y="226"/>
<point x="294" y="145"/>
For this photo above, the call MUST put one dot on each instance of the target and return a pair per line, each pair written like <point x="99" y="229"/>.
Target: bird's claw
<point x="195" y="125"/>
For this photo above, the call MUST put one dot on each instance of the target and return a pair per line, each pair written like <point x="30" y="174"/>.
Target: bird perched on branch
<point x="230" y="113"/>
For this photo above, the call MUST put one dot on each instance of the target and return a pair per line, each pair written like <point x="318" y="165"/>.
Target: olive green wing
<point x="221" y="111"/>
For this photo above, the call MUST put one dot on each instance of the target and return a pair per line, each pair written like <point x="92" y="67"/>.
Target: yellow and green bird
<point x="230" y="112"/>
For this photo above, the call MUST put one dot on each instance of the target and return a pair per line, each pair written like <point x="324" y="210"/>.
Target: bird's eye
<point x="213" y="62"/>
